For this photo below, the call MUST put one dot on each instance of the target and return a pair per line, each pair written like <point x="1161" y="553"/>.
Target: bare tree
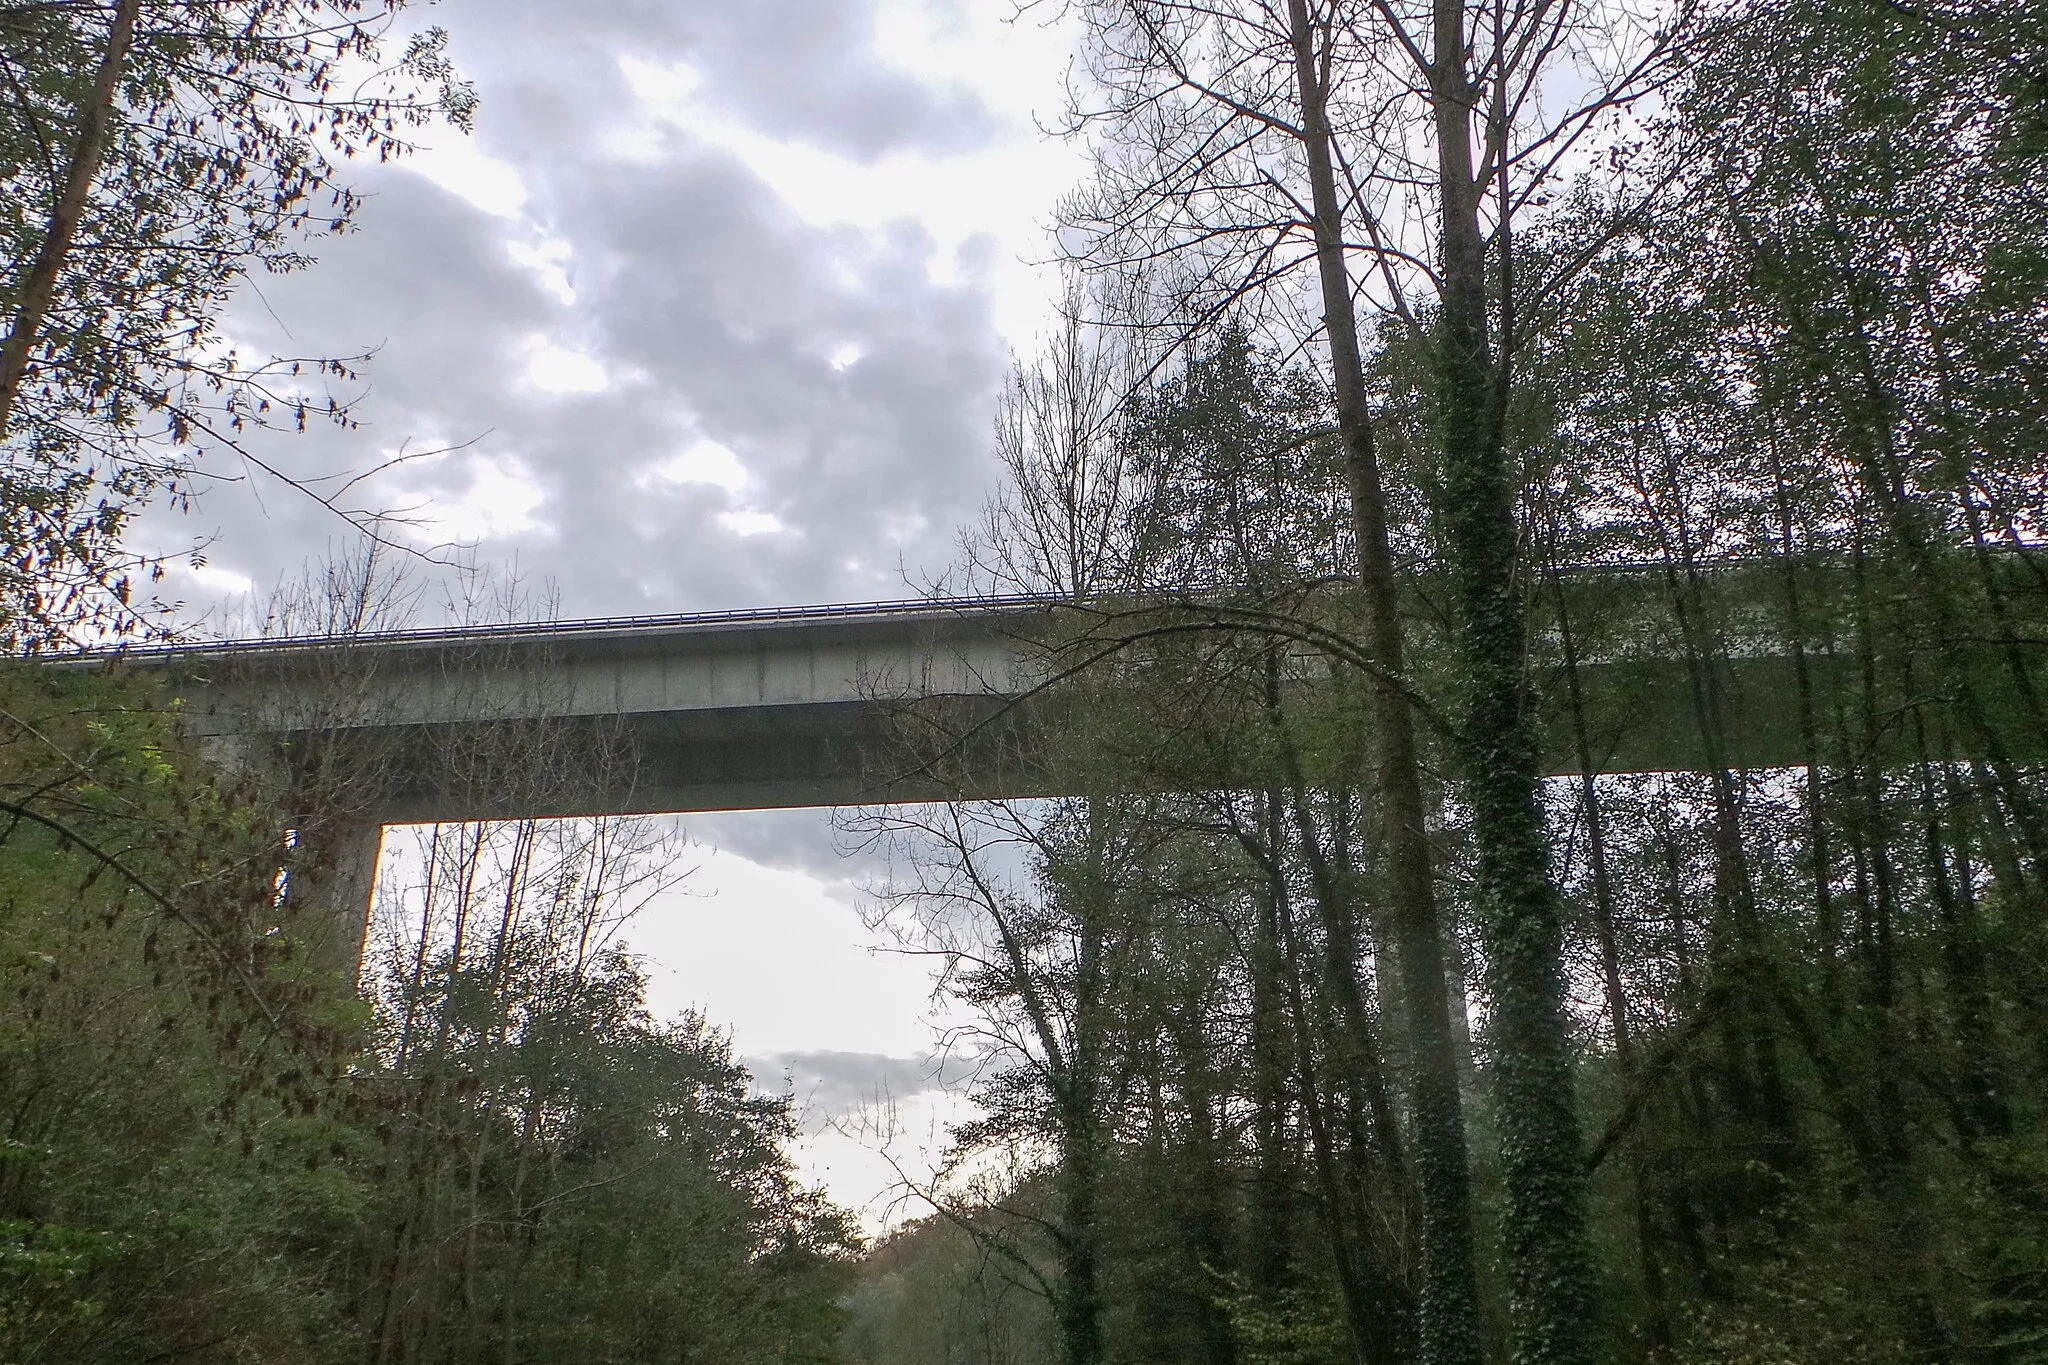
<point x="1059" y="525"/>
<point x="332" y="701"/>
<point x="487" y="937"/>
<point x="1219" y="171"/>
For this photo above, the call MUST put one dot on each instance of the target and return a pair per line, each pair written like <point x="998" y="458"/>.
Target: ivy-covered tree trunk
<point x="1550" y="1272"/>
<point x="1077" y="1305"/>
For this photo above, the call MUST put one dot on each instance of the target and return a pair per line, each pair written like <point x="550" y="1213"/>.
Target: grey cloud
<point x="782" y="65"/>
<point x="426" y="286"/>
<point x="856" y="870"/>
<point x="831" y="1086"/>
<point x="797" y="840"/>
<point x="717" y="311"/>
<point x="798" y="70"/>
<point x="727" y="312"/>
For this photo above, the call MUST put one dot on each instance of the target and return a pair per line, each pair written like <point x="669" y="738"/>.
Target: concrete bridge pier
<point x="331" y="855"/>
<point x="334" y="878"/>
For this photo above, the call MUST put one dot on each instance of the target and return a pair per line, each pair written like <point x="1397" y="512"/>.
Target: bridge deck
<point x="796" y="707"/>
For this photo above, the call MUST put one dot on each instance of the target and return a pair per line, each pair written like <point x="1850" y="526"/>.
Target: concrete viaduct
<point x="796" y="707"/>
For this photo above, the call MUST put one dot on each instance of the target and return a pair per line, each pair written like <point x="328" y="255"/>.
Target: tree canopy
<point x="154" y="153"/>
<point x="1501" y="360"/>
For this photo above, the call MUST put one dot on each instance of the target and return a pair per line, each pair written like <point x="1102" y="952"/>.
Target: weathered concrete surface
<point x="732" y="711"/>
<point x="729" y="662"/>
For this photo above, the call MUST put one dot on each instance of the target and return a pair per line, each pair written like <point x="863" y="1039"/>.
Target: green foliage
<point x="168" y="1058"/>
<point x="554" y="1173"/>
<point x="212" y="1148"/>
<point x="230" y="125"/>
<point x="1243" y="489"/>
<point x="1293" y="1327"/>
<point x="1790" y="404"/>
<point x="932" y="1291"/>
<point x="2004" y="1205"/>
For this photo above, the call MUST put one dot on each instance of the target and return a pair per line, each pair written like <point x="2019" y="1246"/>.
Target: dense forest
<point x="1555" y="705"/>
<point x="1546" y="504"/>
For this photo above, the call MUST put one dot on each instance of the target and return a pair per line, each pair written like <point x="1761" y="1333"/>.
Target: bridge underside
<point x="739" y="758"/>
<point x="853" y="706"/>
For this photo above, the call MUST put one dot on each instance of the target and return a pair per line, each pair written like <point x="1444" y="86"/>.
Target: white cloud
<point x="499" y="500"/>
<point x="455" y="163"/>
<point x="865" y="1156"/>
<point x="211" y="579"/>
<point x="548" y="258"/>
<point x="748" y="521"/>
<point x="905" y="528"/>
<point x="1003" y="193"/>
<point x="556" y="369"/>
<point x="783" y="960"/>
<point x="706" y="461"/>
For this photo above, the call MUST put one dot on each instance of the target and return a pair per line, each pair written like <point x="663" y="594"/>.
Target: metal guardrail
<point x="596" y="625"/>
<point x="958" y="607"/>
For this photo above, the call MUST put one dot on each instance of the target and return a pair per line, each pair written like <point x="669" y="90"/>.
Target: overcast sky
<point x="714" y="304"/>
<point x="715" y="300"/>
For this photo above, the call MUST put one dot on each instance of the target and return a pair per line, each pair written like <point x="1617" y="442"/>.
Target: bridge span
<point x="803" y="706"/>
<point x="636" y="715"/>
<point x="761" y="709"/>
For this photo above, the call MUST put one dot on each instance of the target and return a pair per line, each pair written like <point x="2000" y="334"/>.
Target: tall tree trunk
<point x="1656" y="1313"/>
<point x="1449" y="1310"/>
<point x="1981" y="1110"/>
<point x="1552" y="1296"/>
<point x="1364" y="1292"/>
<point x="38" y="288"/>
<point x="1272" y="1203"/>
<point x="1204" y="1219"/>
<point x="1078" y="1310"/>
<point x="1742" y="963"/>
<point x="1908" y="1269"/>
<point x="1357" y="1053"/>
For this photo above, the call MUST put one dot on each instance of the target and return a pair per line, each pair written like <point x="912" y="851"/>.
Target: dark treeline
<point x="1312" y="1063"/>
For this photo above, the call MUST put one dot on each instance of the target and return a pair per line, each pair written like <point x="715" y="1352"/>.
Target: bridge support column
<point x="335" y="880"/>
